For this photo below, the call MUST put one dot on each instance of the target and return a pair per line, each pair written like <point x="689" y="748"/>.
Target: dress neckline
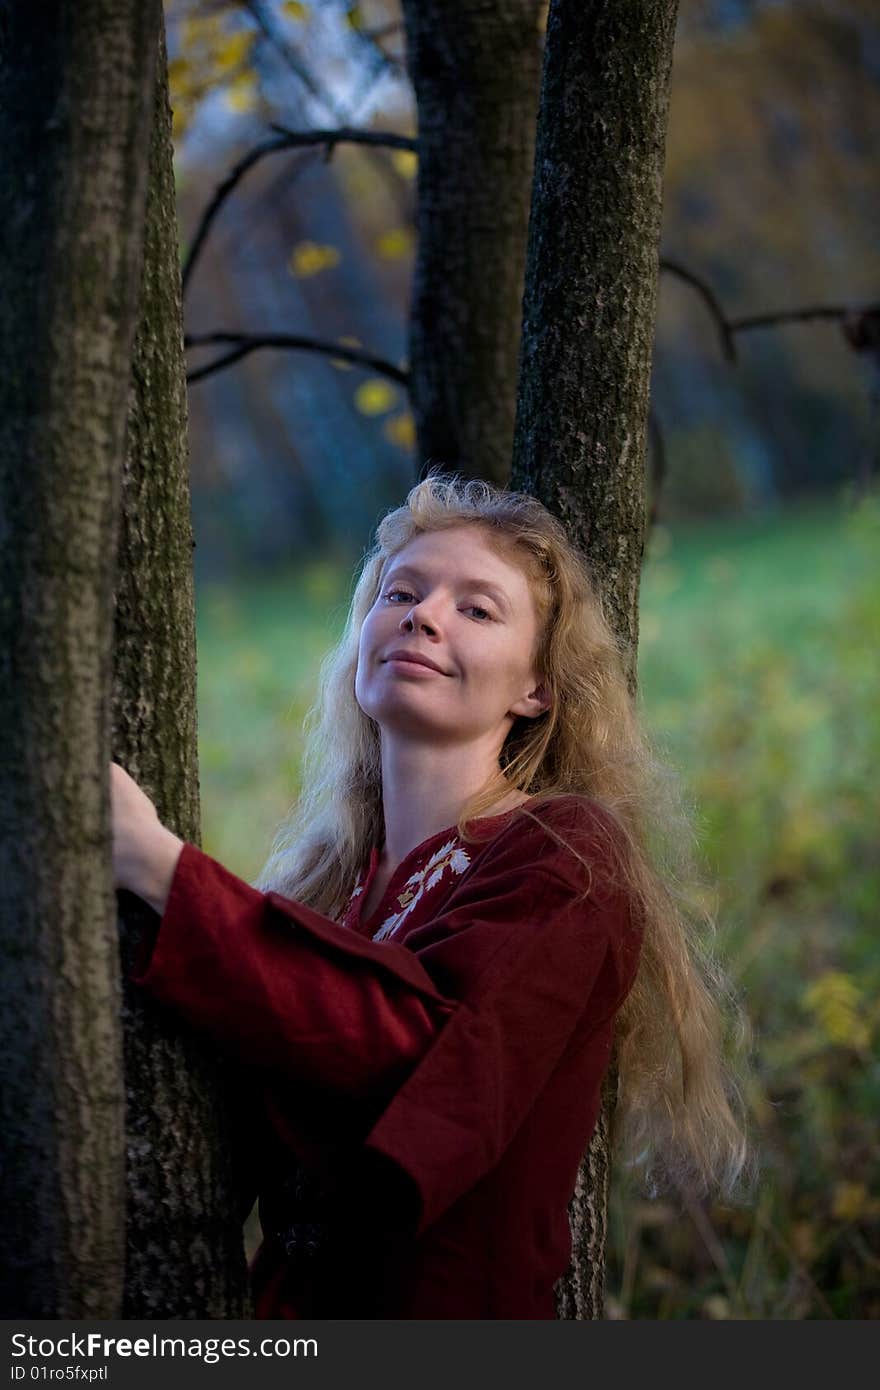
<point x="408" y="865"/>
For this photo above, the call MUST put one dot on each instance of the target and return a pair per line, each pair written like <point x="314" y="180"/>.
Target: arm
<point x="306" y="1005"/>
<point x="442" y="1045"/>
<point x="286" y="989"/>
<point x="145" y="853"/>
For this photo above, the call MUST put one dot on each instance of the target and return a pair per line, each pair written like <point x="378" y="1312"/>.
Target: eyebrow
<point x="480" y="586"/>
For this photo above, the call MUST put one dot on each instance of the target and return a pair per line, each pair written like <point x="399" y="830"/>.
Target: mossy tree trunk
<point x="76" y="86"/>
<point x="585" y="359"/>
<point x="185" y="1256"/>
<point x="90" y="291"/>
<point x="476" y="71"/>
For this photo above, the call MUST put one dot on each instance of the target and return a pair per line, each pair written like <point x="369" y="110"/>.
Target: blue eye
<point x="480" y="614"/>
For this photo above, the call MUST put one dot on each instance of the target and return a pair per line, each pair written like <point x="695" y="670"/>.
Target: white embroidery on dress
<point x="448" y="856"/>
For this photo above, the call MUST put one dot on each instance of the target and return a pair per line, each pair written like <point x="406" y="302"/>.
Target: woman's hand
<point x="145" y="854"/>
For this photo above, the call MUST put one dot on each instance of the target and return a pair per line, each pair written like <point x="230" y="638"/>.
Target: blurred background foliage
<point x="760" y="606"/>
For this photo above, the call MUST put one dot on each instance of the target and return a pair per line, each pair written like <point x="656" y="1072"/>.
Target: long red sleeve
<point x="286" y="989"/>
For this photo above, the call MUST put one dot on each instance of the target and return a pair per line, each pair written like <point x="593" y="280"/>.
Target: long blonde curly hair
<point x="679" y="1117"/>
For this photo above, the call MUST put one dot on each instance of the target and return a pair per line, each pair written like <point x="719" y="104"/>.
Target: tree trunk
<point x="476" y="70"/>
<point x="185" y="1256"/>
<point x="585" y="359"/>
<point x="76" y="85"/>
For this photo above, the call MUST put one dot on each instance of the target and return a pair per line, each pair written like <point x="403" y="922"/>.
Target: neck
<point x="425" y="788"/>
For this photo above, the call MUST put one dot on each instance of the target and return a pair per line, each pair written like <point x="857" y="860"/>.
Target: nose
<point x="418" y="617"/>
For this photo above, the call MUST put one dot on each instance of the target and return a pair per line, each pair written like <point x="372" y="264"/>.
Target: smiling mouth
<point x="404" y="659"/>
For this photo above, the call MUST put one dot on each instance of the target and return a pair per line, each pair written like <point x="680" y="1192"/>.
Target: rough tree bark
<point x="587" y="339"/>
<point x="185" y="1254"/>
<point x="76" y="90"/>
<point x="476" y="69"/>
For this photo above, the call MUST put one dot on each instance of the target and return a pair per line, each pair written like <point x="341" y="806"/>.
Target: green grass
<point x="259" y="650"/>
<point x="759" y="680"/>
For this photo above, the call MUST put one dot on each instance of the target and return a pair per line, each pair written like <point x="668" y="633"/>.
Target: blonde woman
<point x="463" y="920"/>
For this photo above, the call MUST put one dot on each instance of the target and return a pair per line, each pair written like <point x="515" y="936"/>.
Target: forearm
<point x="145" y="854"/>
<point x="147" y="866"/>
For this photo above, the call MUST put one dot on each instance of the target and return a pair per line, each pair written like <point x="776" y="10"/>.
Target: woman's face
<point x="450" y="599"/>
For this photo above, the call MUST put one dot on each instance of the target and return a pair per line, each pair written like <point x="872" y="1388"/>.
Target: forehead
<point x="463" y="552"/>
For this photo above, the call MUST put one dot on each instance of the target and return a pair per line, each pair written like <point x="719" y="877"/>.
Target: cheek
<point x="364" y="643"/>
<point x="375" y="634"/>
<point x="369" y="630"/>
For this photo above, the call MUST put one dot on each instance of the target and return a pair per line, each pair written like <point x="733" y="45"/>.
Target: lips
<point x="416" y="658"/>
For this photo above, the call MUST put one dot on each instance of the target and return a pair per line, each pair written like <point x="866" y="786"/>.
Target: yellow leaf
<point x="197" y="29"/>
<point x="835" y="1000"/>
<point x="401" y="430"/>
<point x="292" y="9"/>
<point x="395" y="243"/>
<point x="243" y="93"/>
<point x="347" y="341"/>
<point x="233" y="50"/>
<point x="180" y="87"/>
<point x="308" y="258"/>
<point x="406" y="162"/>
<point x="374" y="397"/>
<point x="178" y="70"/>
<point x="850" y="1201"/>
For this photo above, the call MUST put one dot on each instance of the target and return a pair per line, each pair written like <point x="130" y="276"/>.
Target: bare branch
<point x="860" y="324"/>
<point x="374" y="37"/>
<point x="222" y="192"/>
<point x="861" y="328"/>
<point x="837" y="313"/>
<point x="291" y="58"/>
<point x="284" y="139"/>
<point x="707" y="294"/>
<point x="377" y="63"/>
<point x="242" y="344"/>
<point x="347" y="135"/>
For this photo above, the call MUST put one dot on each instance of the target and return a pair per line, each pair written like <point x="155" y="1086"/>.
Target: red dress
<point x="428" y="1080"/>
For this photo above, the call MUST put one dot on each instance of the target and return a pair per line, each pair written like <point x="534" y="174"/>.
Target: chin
<point x="400" y="717"/>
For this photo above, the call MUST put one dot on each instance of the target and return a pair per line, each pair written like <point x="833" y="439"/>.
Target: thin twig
<point x="780" y="1241"/>
<point x="824" y="311"/>
<point x="284" y="139"/>
<point x="851" y="318"/>
<point x="714" y="1247"/>
<point x="346" y="135"/>
<point x="291" y="58"/>
<point x="243" y="344"/>
<point x="709" y="298"/>
<point x="374" y="37"/>
<point x="221" y="193"/>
